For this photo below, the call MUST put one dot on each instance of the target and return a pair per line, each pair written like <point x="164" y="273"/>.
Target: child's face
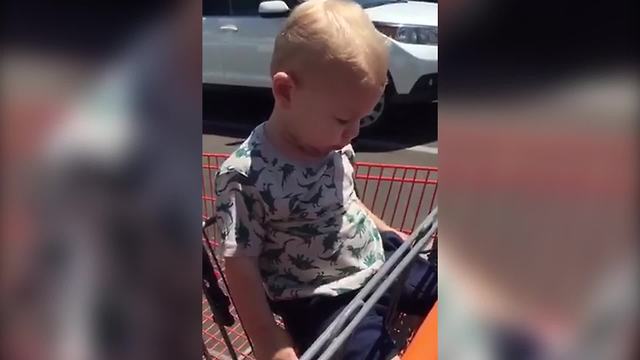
<point x="325" y="111"/>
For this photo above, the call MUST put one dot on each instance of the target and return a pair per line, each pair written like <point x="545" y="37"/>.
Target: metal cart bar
<point x="333" y="336"/>
<point x="218" y="302"/>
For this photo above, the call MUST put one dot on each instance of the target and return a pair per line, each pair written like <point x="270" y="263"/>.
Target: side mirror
<point x="270" y="9"/>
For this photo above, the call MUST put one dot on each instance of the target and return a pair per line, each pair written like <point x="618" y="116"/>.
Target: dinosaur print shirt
<point x="303" y="222"/>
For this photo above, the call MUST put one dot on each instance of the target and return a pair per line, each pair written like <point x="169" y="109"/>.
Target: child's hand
<point x="285" y="354"/>
<point x="401" y="235"/>
<point x="384" y="228"/>
<point x="270" y="341"/>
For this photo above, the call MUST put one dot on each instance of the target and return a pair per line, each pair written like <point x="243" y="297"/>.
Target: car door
<point x="248" y="57"/>
<point x="214" y="40"/>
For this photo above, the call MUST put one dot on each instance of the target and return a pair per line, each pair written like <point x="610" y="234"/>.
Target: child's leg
<point x="305" y="319"/>
<point x="420" y="287"/>
<point x="370" y="339"/>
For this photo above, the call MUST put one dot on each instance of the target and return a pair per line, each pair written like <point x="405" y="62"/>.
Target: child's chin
<point x="325" y="150"/>
<point x="340" y="146"/>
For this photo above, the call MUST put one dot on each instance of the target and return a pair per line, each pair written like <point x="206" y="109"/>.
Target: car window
<point x="245" y="7"/>
<point x="216" y="7"/>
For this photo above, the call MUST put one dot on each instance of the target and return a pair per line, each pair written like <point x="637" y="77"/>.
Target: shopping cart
<point x="399" y="194"/>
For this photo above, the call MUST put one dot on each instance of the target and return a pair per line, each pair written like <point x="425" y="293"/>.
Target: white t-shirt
<point x="304" y="222"/>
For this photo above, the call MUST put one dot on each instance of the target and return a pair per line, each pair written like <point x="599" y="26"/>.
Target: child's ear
<point x="282" y="88"/>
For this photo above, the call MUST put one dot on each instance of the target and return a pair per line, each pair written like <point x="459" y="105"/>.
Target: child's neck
<point x="279" y="135"/>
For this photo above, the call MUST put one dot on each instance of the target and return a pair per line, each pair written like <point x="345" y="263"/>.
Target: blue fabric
<point x="305" y="319"/>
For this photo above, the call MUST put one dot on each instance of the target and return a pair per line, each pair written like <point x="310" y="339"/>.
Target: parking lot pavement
<point x="409" y="137"/>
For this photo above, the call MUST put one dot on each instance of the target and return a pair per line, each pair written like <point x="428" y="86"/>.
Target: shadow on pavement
<point x="405" y="126"/>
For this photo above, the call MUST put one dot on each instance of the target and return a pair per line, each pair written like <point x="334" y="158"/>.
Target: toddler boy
<point x="297" y="240"/>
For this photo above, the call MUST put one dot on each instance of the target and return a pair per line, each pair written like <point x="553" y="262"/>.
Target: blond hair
<point x="319" y="32"/>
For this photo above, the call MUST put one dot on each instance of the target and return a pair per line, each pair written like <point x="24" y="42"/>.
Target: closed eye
<point x="342" y="121"/>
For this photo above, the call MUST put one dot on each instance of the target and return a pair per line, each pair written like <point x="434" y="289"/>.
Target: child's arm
<point x="240" y="220"/>
<point x="380" y="224"/>
<point x="270" y="342"/>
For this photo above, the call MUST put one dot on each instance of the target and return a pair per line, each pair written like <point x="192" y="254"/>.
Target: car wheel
<point x="382" y="109"/>
<point x="377" y="113"/>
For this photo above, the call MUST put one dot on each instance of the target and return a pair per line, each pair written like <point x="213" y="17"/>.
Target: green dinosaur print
<point x="304" y="230"/>
<point x="307" y="241"/>
<point x="373" y="235"/>
<point x="242" y="152"/>
<point x="321" y="278"/>
<point x="308" y="186"/>
<point x="330" y="241"/>
<point x="269" y="239"/>
<point x="294" y="205"/>
<point x="242" y="235"/>
<point x="267" y="197"/>
<point x="293" y="199"/>
<point x="309" y="172"/>
<point x="302" y="262"/>
<point x="361" y="226"/>
<point x="348" y="270"/>
<point x="350" y="218"/>
<point x="272" y="256"/>
<point x="370" y="259"/>
<point x="356" y="252"/>
<point x="251" y="179"/>
<point x="288" y="276"/>
<point x="322" y="212"/>
<point x="287" y="170"/>
<point x="333" y="258"/>
<point x="224" y="207"/>
<point x="296" y="209"/>
<point x="258" y="153"/>
<point x="331" y="222"/>
<point x="315" y="199"/>
<point x="299" y="211"/>
<point x="249" y="203"/>
<point x="381" y="256"/>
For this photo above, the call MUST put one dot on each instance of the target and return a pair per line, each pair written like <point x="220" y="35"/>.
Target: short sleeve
<point x="239" y="216"/>
<point x="350" y="154"/>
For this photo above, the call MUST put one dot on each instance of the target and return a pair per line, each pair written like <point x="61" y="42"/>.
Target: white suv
<point x="238" y="38"/>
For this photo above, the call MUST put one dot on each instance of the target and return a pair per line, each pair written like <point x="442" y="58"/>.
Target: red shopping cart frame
<point x="401" y="195"/>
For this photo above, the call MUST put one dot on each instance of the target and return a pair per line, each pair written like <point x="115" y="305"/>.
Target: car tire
<point x="376" y="119"/>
